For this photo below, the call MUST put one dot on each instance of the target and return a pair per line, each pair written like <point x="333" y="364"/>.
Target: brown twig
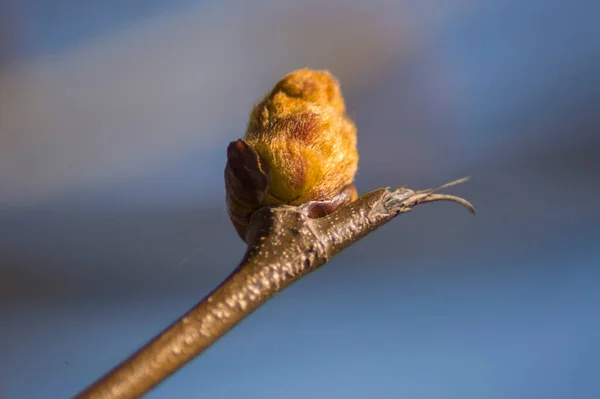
<point x="284" y="244"/>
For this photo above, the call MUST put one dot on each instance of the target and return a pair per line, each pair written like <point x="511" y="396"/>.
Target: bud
<point x="299" y="148"/>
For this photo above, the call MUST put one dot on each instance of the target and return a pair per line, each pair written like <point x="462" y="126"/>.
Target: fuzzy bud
<point x="299" y="147"/>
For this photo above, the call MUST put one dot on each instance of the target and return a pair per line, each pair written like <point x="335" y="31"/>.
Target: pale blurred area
<point x="114" y="119"/>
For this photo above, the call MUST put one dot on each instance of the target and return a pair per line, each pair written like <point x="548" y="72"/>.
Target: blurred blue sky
<point x="50" y="27"/>
<point x="114" y="117"/>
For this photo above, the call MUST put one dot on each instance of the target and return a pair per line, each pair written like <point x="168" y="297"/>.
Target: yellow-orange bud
<point x="299" y="147"/>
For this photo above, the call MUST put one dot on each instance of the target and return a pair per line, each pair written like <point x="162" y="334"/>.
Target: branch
<point x="284" y="244"/>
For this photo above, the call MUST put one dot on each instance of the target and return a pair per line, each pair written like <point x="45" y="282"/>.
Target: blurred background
<point x="114" y="119"/>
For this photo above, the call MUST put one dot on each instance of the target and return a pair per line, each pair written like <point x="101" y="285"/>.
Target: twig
<point x="284" y="244"/>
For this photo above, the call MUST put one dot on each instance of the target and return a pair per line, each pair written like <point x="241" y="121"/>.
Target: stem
<point x="284" y="244"/>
